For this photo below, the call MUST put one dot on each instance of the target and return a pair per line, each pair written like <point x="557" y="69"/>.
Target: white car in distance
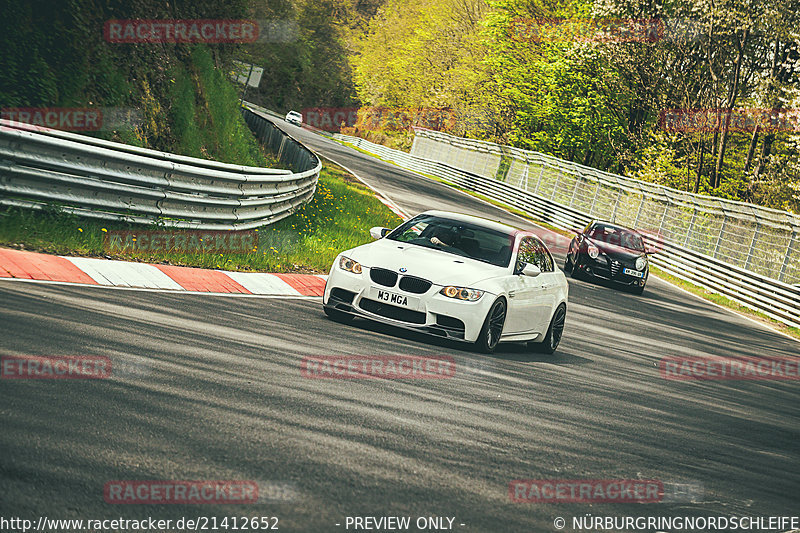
<point x="293" y="117"/>
<point x="455" y="276"/>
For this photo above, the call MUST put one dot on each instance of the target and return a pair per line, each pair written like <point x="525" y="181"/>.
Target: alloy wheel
<point x="558" y="327"/>
<point x="496" y="321"/>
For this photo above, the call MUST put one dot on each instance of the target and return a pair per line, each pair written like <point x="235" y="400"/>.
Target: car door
<point x="525" y="300"/>
<point x="549" y="283"/>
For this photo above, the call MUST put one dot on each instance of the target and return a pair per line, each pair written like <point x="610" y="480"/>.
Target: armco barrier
<point x="771" y="297"/>
<point x="101" y="179"/>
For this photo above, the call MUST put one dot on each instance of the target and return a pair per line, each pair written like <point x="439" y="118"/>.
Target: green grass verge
<point x="206" y="117"/>
<point x="337" y="218"/>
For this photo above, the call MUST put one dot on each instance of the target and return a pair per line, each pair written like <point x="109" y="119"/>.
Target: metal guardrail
<point x="273" y="114"/>
<point x="42" y="168"/>
<point x="264" y="110"/>
<point x="774" y="298"/>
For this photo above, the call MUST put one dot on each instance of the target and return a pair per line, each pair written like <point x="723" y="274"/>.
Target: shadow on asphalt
<point x="510" y="351"/>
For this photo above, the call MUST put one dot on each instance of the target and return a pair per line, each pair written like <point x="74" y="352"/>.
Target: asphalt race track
<point x="209" y="387"/>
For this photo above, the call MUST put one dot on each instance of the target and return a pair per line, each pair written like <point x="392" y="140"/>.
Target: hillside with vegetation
<point x="182" y="101"/>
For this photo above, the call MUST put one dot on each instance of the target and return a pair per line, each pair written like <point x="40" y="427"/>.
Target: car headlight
<point x="345" y="263"/>
<point x="592" y="251"/>
<point x="641" y="262"/>
<point x="461" y="293"/>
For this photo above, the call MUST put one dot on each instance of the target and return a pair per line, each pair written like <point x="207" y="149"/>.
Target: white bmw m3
<point x="455" y="276"/>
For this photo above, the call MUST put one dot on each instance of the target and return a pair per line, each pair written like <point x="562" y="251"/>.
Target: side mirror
<point x="531" y="270"/>
<point x="378" y="233"/>
<point x="650" y="250"/>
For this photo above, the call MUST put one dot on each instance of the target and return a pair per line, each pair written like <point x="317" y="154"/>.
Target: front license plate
<point x="393" y="298"/>
<point x="634" y="273"/>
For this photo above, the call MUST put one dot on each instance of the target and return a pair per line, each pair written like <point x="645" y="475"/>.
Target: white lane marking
<point x="164" y="291"/>
<point x="124" y="273"/>
<point x="262" y="283"/>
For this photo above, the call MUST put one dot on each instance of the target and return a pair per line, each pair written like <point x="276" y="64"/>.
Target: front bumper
<point x="611" y="270"/>
<point x="435" y="314"/>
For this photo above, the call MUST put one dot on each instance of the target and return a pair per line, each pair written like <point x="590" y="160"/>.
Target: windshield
<point x="616" y="236"/>
<point x="458" y="238"/>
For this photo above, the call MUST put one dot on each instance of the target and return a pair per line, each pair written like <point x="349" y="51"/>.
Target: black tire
<point x="492" y="328"/>
<point x="637" y="290"/>
<point x="568" y="266"/>
<point x="575" y="272"/>
<point x="338" y="316"/>
<point x="551" y="341"/>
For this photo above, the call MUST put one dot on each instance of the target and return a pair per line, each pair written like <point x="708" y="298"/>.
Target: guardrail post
<point x="594" y="200"/>
<point x="691" y="225"/>
<point x="789" y="249"/>
<point x="752" y="247"/>
<point x="575" y="191"/>
<point x="539" y="182"/>
<point x="721" y="233"/>
<point x="639" y="212"/>
<point x="555" y="186"/>
<point x="524" y="177"/>
<point x="616" y="204"/>
<point x="283" y="144"/>
<point x="663" y="219"/>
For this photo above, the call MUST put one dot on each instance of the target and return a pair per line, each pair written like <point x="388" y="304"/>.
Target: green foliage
<point x="54" y="55"/>
<point x="597" y="102"/>
<point x="590" y="101"/>
<point x="204" y="112"/>
<point x="421" y="54"/>
<point x="311" y="70"/>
